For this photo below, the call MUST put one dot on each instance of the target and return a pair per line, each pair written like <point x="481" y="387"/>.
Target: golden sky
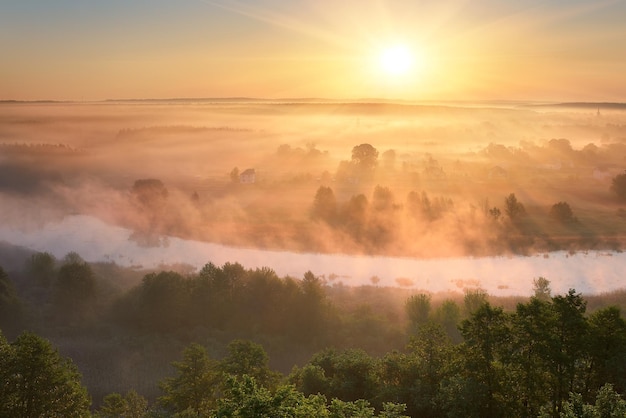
<point x="560" y="50"/>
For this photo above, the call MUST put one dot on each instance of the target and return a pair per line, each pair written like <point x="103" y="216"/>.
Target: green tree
<point x="473" y="299"/>
<point x="531" y="326"/>
<point x="567" y="339"/>
<point x="248" y="358"/>
<point x="448" y="315"/>
<point x="618" y="185"/>
<point x="164" y="301"/>
<point x="38" y="382"/>
<point x="486" y="336"/>
<point x="541" y="288"/>
<point x="417" y="309"/>
<point x="10" y="305"/>
<point x="244" y="398"/>
<point x="114" y="405"/>
<point x="607" y="349"/>
<point x="75" y="292"/>
<point x="40" y="267"/>
<point x="194" y="386"/>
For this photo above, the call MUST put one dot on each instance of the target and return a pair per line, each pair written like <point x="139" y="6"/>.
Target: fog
<point x="589" y="272"/>
<point x="428" y="213"/>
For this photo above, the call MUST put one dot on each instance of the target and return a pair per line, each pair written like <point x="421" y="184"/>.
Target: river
<point x="588" y="272"/>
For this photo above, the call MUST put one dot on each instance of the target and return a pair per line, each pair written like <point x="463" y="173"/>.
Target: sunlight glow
<point x="397" y="60"/>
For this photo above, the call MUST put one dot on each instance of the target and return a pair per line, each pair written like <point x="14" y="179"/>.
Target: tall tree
<point x="193" y="388"/>
<point x="38" y="382"/>
<point x="324" y="205"/>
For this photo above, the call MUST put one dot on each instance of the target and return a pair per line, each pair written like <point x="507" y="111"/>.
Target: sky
<point x="559" y="50"/>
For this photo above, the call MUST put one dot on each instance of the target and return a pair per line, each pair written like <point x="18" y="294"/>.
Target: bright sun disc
<point x="396" y="60"/>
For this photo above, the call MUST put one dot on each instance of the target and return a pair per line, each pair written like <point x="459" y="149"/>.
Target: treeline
<point x="547" y="358"/>
<point x="275" y="343"/>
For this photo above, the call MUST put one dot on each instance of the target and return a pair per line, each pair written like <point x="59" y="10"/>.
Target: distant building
<point x="248" y="176"/>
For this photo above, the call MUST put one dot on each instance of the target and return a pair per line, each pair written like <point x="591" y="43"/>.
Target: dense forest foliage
<point x="230" y="341"/>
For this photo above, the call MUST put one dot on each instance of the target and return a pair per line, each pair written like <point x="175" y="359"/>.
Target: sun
<point x="396" y="60"/>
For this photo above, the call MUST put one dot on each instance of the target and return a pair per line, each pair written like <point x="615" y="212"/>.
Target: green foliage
<point x="417" y="309"/>
<point x="40" y="267"/>
<point x="541" y="288"/>
<point x="10" y="305"/>
<point x="247" y="358"/>
<point x="38" y="382"/>
<point x="194" y="385"/>
<point x="75" y="292"/>
<point x="473" y="300"/>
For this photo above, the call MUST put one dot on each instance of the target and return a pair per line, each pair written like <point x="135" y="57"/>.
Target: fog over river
<point x="95" y="240"/>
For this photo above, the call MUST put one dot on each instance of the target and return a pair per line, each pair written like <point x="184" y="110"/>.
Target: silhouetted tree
<point x="513" y="208"/>
<point x="324" y="205"/>
<point x="562" y="212"/>
<point x="618" y="185"/>
<point x="364" y="160"/>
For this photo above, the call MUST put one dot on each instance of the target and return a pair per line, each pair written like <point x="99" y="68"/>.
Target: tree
<point x="417" y="309"/>
<point x="75" y="292"/>
<point x="567" y="340"/>
<point x="364" y="160"/>
<point x="163" y="301"/>
<point x="354" y="215"/>
<point x="324" y="205"/>
<point x="114" y="405"/>
<point x="234" y="176"/>
<point x="562" y="213"/>
<point x="248" y="358"/>
<point x="151" y="194"/>
<point x="10" y="306"/>
<point x="448" y="315"/>
<point x="38" y="382"/>
<point x="618" y="185"/>
<point x="486" y="335"/>
<point x="40" y="266"/>
<point x="607" y="349"/>
<point x="541" y="288"/>
<point x="193" y="388"/>
<point x="513" y="208"/>
<point x="474" y="299"/>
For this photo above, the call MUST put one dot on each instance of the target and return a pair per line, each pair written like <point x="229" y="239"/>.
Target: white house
<point x="248" y="176"/>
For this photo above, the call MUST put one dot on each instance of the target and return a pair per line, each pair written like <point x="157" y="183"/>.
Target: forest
<point x="95" y="338"/>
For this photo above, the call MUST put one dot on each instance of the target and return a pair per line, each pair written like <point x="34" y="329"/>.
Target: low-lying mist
<point x="334" y="178"/>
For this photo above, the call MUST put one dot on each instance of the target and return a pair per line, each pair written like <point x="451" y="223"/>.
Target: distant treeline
<point x="176" y="129"/>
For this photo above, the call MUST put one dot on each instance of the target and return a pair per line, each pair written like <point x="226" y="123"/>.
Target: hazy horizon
<point x="450" y="50"/>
